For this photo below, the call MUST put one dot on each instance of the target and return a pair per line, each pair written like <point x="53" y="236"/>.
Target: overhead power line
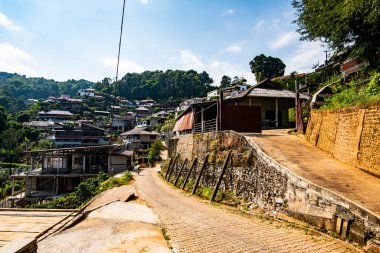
<point x="118" y="55"/>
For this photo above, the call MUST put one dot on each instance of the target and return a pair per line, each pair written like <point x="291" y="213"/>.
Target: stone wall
<point x="257" y="179"/>
<point x="351" y="135"/>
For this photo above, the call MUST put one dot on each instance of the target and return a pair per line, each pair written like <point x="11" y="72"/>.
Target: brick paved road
<point x="194" y="226"/>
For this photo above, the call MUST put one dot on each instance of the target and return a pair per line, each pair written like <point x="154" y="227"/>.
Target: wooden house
<point x="265" y="105"/>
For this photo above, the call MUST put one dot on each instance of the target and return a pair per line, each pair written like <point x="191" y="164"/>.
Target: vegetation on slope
<point x="355" y="95"/>
<point x="85" y="191"/>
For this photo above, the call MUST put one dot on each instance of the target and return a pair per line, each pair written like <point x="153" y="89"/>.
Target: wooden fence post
<point x="170" y="169"/>
<point x="215" y="191"/>
<point x="200" y="174"/>
<point x="167" y="170"/>
<point x="180" y="171"/>
<point x="188" y="174"/>
<point x="173" y="167"/>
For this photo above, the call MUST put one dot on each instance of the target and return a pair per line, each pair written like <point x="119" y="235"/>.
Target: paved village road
<point x="194" y="226"/>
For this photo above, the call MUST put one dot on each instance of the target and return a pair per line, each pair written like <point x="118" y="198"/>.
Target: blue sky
<point x="74" y="39"/>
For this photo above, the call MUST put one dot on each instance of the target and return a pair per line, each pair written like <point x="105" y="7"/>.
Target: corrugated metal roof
<point x="56" y="112"/>
<point x="39" y="123"/>
<point x="140" y="131"/>
<point x="272" y="93"/>
<point x="141" y="108"/>
<point x="185" y="122"/>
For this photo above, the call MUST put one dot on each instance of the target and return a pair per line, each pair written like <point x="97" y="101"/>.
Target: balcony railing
<point x="206" y="126"/>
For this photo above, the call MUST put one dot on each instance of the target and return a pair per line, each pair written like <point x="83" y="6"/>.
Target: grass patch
<point x="165" y="234"/>
<point x="206" y="192"/>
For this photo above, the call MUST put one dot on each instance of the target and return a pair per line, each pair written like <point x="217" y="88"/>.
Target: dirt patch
<point x="111" y="227"/>
<point x="122" y="211"/>
<point x="104" y="235"/>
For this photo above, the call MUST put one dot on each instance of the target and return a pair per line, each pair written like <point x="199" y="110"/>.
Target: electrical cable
<point x="118" y="55"/>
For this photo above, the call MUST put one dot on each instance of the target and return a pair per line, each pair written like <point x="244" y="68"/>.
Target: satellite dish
<point x="234" y="93"/>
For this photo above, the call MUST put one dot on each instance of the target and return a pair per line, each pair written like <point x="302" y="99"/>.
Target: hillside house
<point x="142" y="111"/>
<point x="55" y="115"/>
<point x="121" y="124"/>
<point x="139" y="138"/>
<point x="265" y="105"/>
<point x="273" y="100"/>
<point x="40" y="125"/>
<point x="185" y="104"/>
<point x="235" y="88"/>
<point x="78" y="135"/>
<point x="64" y="99"/>
<point x="149" y="121"/>
<point x="145" y="102"/>
<point x="213" y="94"/>
<point x="90" y="92"/>
<point x="115" y="109"/>
<point x="57" y="171"/>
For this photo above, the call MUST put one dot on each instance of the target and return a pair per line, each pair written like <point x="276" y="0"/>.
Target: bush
<point x="373" y="87"/>
<point x="116" y="182"/>
<point x="354" y="96"/>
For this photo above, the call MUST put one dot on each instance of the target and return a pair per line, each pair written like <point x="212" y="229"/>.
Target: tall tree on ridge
<point x="266" y="67"/>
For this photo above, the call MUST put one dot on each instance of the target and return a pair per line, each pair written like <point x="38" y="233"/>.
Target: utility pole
<point x="326" y="51"/>
<point x="298" y="109"/>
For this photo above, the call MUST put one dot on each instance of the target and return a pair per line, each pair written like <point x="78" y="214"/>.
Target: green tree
<point x="155" y="150"/>
<point x="266" y="67"/>
<point x="3" y="119"/>
<point x="168" y="125"/>
<point x="352" y="25"/>
<point x="226" y="82"/>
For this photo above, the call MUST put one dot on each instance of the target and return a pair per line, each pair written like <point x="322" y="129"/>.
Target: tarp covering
<point x="184" y="123"/>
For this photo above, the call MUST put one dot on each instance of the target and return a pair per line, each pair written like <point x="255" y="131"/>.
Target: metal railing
<point x="209" y="125"/>
<point x="206" y="126"/>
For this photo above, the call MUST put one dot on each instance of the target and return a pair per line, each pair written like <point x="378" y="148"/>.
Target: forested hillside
<point x="158" y="85"/>
<point x="15" y="89"/>
<point x="162" y="86"/>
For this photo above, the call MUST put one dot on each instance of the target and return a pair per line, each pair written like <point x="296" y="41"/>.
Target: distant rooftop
<point x="57" y="112"/>
<point x="139" y="131"/>
<point x="141" y="108"/>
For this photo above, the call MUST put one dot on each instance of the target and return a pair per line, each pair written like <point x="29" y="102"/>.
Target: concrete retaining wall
<point x="351" y="135"/>
<point x="255" y="177"/>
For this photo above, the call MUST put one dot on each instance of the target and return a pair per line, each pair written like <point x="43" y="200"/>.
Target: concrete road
<point x="195" y="226"/>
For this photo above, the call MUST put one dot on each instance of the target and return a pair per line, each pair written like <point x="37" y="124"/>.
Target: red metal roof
<point x="185" y="122"/>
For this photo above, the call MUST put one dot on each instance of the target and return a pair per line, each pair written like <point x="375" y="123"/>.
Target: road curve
<point x="193" y="226"/>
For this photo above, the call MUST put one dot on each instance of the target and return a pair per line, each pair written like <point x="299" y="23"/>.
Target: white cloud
<point x="144" y="2"/>
<point x="191" y="61"/>
<point x="10" y="53"/>
<point x="12" y="60"/>
<point x="215" y="68"/>
<point x="234" y="48"/>
<point x="8" y="24"/>
<point x="259" y="24"/>
<point x="125" y="66"/>
<point x="284" y="40"/>
<point x="228" y="12"/>
<point x="307" y="54"/>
